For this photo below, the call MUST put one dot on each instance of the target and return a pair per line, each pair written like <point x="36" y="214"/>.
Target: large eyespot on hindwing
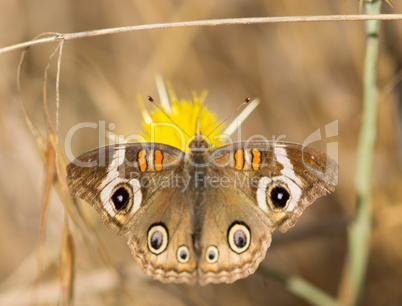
<point x="158" y="238"/>
<point x="183" y="254"/>
<point x="211" y="254"/>
<point x="274" y="194"/>
<point x="239" y="237"/>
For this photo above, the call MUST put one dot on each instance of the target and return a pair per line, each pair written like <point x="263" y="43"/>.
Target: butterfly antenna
<point x="245" y="102"/>
<point x="150" y="99"/>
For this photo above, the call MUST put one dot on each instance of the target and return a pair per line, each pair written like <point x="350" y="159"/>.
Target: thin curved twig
<point x="199" y="23"/>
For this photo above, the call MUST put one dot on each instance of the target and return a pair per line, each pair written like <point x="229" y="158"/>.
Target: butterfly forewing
<point x="282" y="178"/>
<point x="117" y="180"/>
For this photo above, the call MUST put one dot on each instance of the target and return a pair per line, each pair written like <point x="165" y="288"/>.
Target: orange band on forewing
<point x="256" y="159"/>
<point x="158" y="157"/>
<point x="142" y="161"/>
<point x="239" y="159"/>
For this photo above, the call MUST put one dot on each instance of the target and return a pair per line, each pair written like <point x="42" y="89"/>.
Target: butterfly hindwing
<point x="160" y="239"/>
<point x="234" y="238"/>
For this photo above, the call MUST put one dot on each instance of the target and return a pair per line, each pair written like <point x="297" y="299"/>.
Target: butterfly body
<point x="196" y="170"/>
<point x="205" y="215"/>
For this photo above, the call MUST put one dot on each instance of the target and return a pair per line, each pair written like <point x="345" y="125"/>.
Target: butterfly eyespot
<point x="183" y="254"/>
<point x="239" y="237"/>
<point x="211" y="254"/>
<point x="279" y="196"/>
<point x="273" y="194"/>
<point x="121" y="198"/>
<point x="157" y="238"/>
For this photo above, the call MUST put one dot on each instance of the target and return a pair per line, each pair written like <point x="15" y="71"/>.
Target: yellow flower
<point x="184" y="113"/>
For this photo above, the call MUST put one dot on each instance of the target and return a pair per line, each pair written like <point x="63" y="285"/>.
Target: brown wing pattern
<point x="258" y="188"/>
<point x="230" y="216"/>
<point x="252" y="189"/>
<point x="303" y="173"/>
<point x="96" y="175"/>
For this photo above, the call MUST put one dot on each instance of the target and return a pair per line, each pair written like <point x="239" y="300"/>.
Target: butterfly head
<point x="199" y="144"/>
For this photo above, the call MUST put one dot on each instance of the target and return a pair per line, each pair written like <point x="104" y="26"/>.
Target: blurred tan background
<point x="306" y="75"/>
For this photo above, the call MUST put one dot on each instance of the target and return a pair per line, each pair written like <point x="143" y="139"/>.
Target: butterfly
<point x="203" y="216"/>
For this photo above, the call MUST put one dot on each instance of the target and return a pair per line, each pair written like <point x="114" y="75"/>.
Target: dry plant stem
<point x="300" y="287"/>
<point x="46" y="145"/>
<point x="59" y="174"/>
<point x="198" y="23"/>
<point x="359" y="232"/>
<point x="50" y="171"/>
<point x="67" y="264"/>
